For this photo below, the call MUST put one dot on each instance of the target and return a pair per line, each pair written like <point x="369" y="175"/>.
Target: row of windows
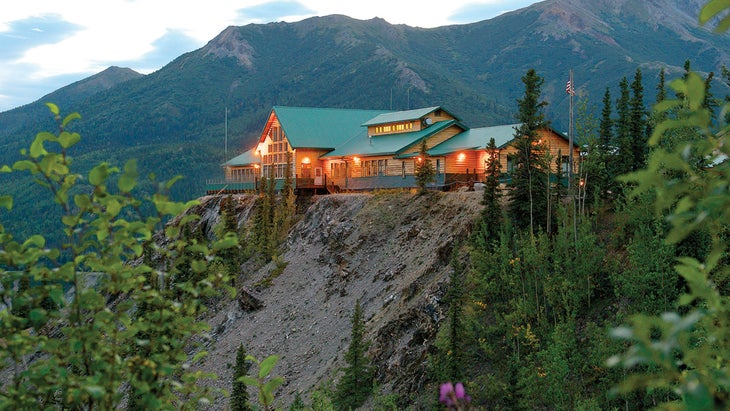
<point x="393" y="128"/>
<point x="243" y="174"/>
<point x="278" y="147"/>
<point x="278" y="170"/>
<point x="374" y="168"/>
<point x="338" y="170"/>
<point x="275" y="158"/>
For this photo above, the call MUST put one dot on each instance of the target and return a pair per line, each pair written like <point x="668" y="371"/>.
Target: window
<point x="438" y="166"/>
<point x="403" y="169"/>
<point x="565" y="165"/>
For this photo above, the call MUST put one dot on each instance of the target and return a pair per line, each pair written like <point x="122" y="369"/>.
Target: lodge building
<point x="331" y="150"/>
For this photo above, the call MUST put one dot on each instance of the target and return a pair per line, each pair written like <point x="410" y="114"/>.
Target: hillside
<point x="390" y="251"/>
<point x="173" y="119"/>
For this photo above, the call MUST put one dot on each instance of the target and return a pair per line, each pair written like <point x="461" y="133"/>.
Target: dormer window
<point x="394" y="128"/>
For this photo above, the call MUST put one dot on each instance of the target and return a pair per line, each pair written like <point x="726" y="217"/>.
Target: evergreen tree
<point x="625" y="153"/>
<point x="709" y="101"/>
<point x="527" y="203"/>
<point x="298" y="403"/>
<point x="491" y="220"/>
<point x="725" y="76"/>
<point x="606" y="125"/>
<point x="356" y="384"/>
<point x="638" y="124"/>
<point x="239" y="395"/>
<point x="455" y="297"/>
<point x="425" y="173"/>
<point x="661" y="92"/>
<point x="229" y="224"/>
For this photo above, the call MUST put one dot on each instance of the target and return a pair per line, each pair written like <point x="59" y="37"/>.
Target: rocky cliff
<point x="390" y="251"/>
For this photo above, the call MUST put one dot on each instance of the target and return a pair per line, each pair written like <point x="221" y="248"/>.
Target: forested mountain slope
<point x="172" y="120"/>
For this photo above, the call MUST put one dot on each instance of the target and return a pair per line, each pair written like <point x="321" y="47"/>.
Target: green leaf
<point x="36" y="148"/>
<point x="69" y="118"/>
<point x="57" y="296"/>
<point x="97" y="392"/>
<point x="7" y="202"/>
<point x="229" y="241"/>
<point x="273" y="384"/>
<point x="712" y="9"/>
<point x="6" y="169"/>
<point x="67" y="139"/>
<point x="99" y="174"/>
<point x="199" y="355"/>
<point x="53" y="108"/>
<point x="248" y="380"/>
<point x="198" y="266"/>
<point x="267" y="365"/>
<point x="172" y="181"/>
<point x="128" y="179"/>
<point x="36" y="240"/>
<point x="82" y="201"/>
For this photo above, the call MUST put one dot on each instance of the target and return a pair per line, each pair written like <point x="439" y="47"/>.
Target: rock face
<point x="390" y="251"/>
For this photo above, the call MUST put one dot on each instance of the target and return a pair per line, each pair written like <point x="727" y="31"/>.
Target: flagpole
<point x="570" y="161"/>
<point x="571" y="92"/>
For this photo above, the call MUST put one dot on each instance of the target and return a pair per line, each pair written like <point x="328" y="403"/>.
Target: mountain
<point x="173" y="119"/>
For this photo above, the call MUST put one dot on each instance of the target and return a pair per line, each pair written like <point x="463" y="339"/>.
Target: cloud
<point x="482" y="11"/>
<point x="165" y="49"/>
<point x="274" y="11"/>
<point x="21" y="35"/>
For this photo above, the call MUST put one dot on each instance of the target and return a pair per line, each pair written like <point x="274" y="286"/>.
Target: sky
<point x="48" y="44"/>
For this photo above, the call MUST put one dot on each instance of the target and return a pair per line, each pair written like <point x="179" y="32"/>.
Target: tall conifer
<point x="638" y="124"/>
<point x="356" y="384"/>
<point x="623" y="129"/>
<point x="491" y="220"/>
<point x="528" y="205"/>
<point x="239" y="395"/>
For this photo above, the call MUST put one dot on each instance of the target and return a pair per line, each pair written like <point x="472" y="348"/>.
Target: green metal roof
<point x="386" y="144"/>
<point x="326" y="128"/>
<point x="397" y="116"/>
<point x="245" y="159"/>
<point x="476" y="138"/>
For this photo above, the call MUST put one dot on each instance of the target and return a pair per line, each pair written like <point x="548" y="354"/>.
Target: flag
<point x="569" y="88"/>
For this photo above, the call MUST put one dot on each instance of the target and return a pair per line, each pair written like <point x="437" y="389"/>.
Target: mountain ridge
<point x="172" y="120"/>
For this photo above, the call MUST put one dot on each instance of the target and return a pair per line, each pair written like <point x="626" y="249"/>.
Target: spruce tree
<point x="625" y="158"/>
<point x="455" y="297"/>
<point x="491" y="220"/>
<point x="725" y="76"/>
<point x="425" y="172"/>
<point x="528" y="205"/>
<point x="298" y="403"/>
<point x="606" y="125"/>
<point x="239" y="395"/>
<point x="356" y="384"/>
<point x="661" y="91"/>
<point x="637" y="124"/>
<point x="229" y="224"/>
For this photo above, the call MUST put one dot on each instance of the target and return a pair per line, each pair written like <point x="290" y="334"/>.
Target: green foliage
<point x="528" y="203"/>
<point x="239" y="394"/>
<point x="125" y="332"/>
<point x="265" y="384"/>
<point x="356" y="384"/>
<point x="638" y="123"/>
<point x="425" y="172"/>
<point x="298" y="403"/>
<point x="488" y="227"/>
<point x="686" y="352"/>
